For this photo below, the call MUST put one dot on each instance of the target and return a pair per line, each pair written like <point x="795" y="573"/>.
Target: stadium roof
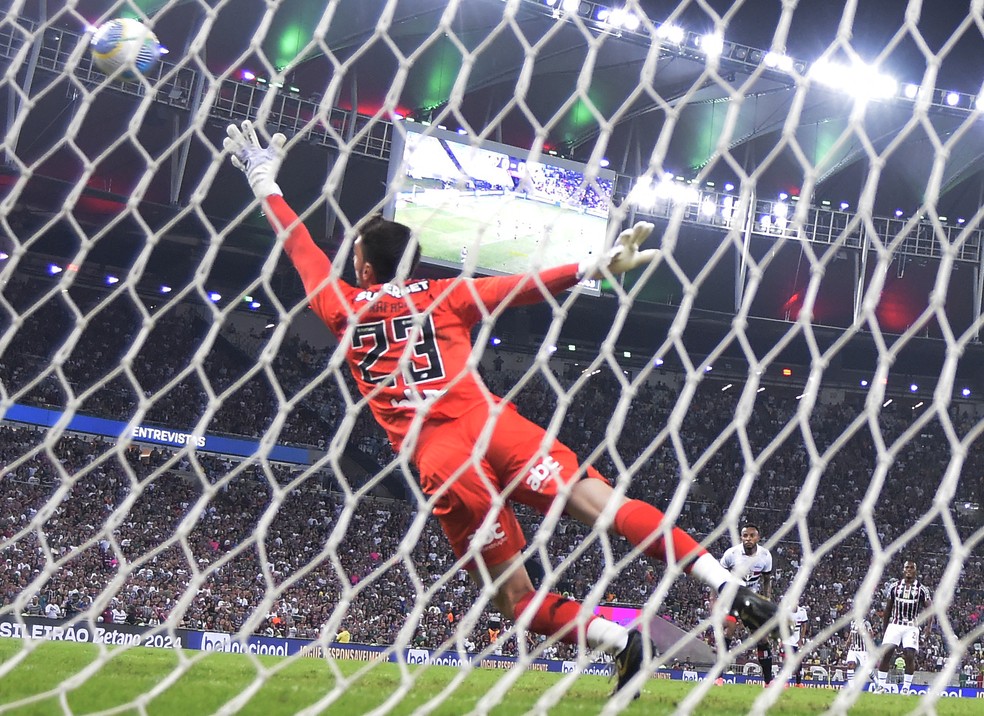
<point x="772" y="102"/>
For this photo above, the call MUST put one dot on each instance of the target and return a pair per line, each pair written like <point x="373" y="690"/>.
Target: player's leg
<point x="763" y="653"/>
<point x="640" y="523"/>
<point x="909" y="655"/>
<point x="789" y="652"/>
<point x="464" y="497"/>
<point x="889" y="643"/>
<point x="516" y="439"/>
<point x="850" y="666"/>
<point x="554" y="615"/>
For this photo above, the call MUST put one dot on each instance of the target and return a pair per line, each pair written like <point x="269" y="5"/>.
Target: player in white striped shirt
<point x="907" y="599"/>
<point x="857" y="648"/>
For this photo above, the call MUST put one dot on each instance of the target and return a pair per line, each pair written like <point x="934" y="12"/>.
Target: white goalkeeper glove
<point x="623" y="256"/>
<point x="260" y="165"/>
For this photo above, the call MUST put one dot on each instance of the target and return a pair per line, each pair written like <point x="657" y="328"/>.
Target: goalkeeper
<point x="409" y="347"/>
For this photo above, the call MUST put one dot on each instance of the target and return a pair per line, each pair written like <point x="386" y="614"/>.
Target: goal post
<point x="188" y="463"/>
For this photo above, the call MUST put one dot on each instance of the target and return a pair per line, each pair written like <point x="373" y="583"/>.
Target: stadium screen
<point x="490" y="199"/>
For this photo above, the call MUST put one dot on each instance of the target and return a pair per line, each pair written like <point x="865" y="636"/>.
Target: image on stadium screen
<point x="515" y="213"/>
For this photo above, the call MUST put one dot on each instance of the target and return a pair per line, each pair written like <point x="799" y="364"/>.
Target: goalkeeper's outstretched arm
<point x="260" y="165"/>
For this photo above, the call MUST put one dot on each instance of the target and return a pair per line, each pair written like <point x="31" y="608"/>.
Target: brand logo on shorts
<point x="541" y="472"/>
<point x="495" y="535"/>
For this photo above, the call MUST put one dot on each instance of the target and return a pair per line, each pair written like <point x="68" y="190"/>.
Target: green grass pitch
<point x="294" y="684"/>
<point x="509" y="229"/>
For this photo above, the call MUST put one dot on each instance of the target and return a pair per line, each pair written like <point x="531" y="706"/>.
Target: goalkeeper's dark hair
<point x="383" y="244"/>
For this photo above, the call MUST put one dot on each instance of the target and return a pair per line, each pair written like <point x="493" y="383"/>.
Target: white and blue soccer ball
<point x="125" y="46"/>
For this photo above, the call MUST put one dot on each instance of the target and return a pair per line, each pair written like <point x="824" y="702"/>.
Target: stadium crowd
<point x="282" y="564"/>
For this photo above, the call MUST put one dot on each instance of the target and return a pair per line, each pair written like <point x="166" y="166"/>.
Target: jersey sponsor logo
<point x="541" y="472"/>
<point x="494" y="536"/>
<point x="417" y="400"/>
<point x="394" y="291"/>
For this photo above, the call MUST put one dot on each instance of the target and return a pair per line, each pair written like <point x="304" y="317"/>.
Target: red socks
<point x="557" y="616"/>
<point x="637" y="521"/>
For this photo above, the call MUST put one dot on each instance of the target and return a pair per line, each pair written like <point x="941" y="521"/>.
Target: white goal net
<point x="187" y="462"/>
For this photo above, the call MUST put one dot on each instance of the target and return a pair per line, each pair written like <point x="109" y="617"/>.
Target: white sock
<point x="882" y="677"/>
<point x="708" y="570"/>
<point x="907" y="680"/>
<point x="607" y="636"/>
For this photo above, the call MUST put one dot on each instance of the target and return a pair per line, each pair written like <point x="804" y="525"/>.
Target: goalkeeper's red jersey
<point x="408" y="346"/>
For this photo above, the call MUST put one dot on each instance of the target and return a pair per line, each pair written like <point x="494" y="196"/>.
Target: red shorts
<point x="513" y="463"/>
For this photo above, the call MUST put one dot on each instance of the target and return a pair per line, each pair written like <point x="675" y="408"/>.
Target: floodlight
<point x="913" y="388"/>
<point x="778" y="61"/>
<point x="965" y="392"/>
<point x="54" y="269"/>
<point x="844" y="206"/>
<point x="630" y="21"/>
<point x="910" y="91"/>
<point x="729" y="186"/>
<point x="214" y="296"/>
<point x="671" y="33"/>
<point x="859" y="80"/>
<point x="952" y="99"/>
<point x="111" y="280"/>
<point x="712" y="45"/>
<point x="166" y="289"/>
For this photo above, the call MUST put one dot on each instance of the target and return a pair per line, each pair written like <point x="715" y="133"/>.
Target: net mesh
<point x="187" y="460"/>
